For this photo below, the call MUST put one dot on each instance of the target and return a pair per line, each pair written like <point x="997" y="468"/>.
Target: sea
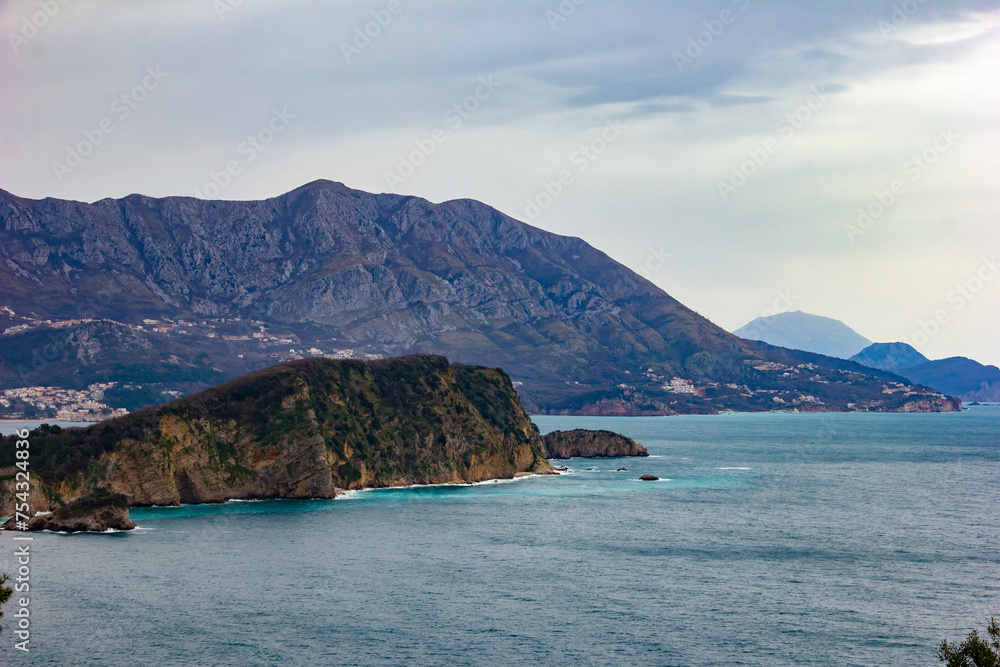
<point x="769" y="539"/>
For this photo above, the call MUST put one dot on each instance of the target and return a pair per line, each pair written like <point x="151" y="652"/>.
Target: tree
<point x="5" y="593"/>
<point x="974" y="651"/>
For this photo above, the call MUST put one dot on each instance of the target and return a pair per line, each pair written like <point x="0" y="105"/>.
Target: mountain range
<point x="956" y="376"/>
<point x="177" y="294"/>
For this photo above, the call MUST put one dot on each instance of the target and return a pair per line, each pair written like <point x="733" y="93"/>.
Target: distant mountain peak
<point x="803" y="331"/>
<point x="320" y="183"/>
<point x="889" y="356"/>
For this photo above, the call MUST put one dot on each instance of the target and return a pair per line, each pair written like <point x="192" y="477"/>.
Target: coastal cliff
<point x="303" y="429"/>
<point x="589" y="444"/>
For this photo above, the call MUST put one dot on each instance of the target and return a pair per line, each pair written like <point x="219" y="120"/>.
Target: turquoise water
<point x="772" y="539"/>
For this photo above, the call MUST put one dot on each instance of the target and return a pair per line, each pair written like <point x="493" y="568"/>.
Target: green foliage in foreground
<point x="5" y="593"/>
<point x="974" y="651"/>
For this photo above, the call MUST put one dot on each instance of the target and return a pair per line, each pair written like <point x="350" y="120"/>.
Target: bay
<point x="771" y="539"/>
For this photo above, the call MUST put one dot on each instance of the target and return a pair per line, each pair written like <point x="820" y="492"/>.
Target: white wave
<point x="734" y="468"/>
<point x="86" y="532"/>
<point x="502" y="481"/>
<point x="353" y="493"/>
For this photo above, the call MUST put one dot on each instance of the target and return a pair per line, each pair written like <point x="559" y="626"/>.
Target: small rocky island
<point x="585" y="443"/>
<point x="303" y="429"/>
<point x="95" y="513"/>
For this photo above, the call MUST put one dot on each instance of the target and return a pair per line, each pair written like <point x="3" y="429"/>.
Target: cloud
<point x="887" y="92"/>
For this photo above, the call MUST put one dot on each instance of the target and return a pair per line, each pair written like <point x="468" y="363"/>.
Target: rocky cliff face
<point x="303" y="429"/>
<point x="589" y="444"/>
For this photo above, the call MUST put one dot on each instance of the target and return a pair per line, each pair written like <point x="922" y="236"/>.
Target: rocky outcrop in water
<point x="93" y="514"/>
<point x="589" y="444"/>
<point x="304" y="429"/>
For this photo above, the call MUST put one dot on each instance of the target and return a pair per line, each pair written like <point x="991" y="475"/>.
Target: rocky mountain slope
<point x="303" y="429"/>
<point x="889" y="356"/>
<point x="802" y="331"/>
<point x="143" y="288"/>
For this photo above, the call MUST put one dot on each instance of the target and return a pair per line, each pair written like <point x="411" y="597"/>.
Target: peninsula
<point x="302" y="429"/>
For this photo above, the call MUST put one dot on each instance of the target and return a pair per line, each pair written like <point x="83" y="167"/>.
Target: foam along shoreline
<point x="107" y="531"/>
<point x="352" y="493"/>
<point x="346" y="494"/>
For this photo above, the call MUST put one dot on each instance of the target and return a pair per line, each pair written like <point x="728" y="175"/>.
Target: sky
<point x="749" y="157"/>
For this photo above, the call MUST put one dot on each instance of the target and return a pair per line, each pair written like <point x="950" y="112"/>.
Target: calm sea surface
<point x="772" y="539"/>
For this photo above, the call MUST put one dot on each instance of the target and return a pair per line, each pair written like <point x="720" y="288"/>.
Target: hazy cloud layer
<point x="749" y="133"/>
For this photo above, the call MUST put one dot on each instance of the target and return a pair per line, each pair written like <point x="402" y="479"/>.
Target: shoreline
<point x="351" y="493"/>
<point x="964" y="405"/>
<point x="8" y="426"/>
<point x="497" y="480"/>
